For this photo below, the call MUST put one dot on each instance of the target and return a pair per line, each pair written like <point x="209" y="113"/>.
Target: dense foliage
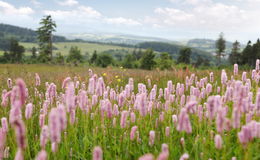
<point x="147" y="61"/>
<point x="184" y="57"/>
<point x="247" y="56"/>
<point x="14" y="54"/>
<point x="165" y="61"/>
<point x="104" y="60"/>
<point x="75" y="56"/>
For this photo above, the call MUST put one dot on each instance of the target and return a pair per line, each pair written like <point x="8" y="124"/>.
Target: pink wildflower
<point x="97" y="153"/>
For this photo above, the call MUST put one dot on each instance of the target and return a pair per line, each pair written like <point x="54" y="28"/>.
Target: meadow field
<point x="61" y="112"/>
<point x="64" y="47"/>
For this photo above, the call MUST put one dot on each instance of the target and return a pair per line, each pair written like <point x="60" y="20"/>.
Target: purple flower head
<point x="97" y="153"/>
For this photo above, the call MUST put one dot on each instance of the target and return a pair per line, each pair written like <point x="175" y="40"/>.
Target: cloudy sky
<point x="171" y="19"/>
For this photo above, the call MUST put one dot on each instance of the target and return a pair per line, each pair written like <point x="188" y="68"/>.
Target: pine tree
<point x="250" y="53"/>
<point x="220" y="48"/>
<point x="34" y="52"/>
<point x="45" y="38"/>
<point x="247" y="54"/>
<point x="93" y="59"/>
<point x="235" y="53"/>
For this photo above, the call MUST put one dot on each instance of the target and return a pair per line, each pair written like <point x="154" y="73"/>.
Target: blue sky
<point x="171" y="19"/>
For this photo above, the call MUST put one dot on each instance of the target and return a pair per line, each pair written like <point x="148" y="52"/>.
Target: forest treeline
<point x="8" y="32"/>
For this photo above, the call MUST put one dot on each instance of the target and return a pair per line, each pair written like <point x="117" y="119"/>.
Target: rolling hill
<point x="115" y="38"/>
<point x="23" y="34"/>
<point x="174" y="49"/>
<point x="208" y="45"/>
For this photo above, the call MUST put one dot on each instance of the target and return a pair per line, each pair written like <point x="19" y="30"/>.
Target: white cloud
<point x="80" y="12"/>
<point x="212" y="16"/>
<point x="21" y="16"/>
<point x="122" y="21"/>
<point x="192" y="2"/>
<point x="221" y="16"/>
<point x="8" y="9"/>
<point x="35" y="2"/>
<point x="83" y="15"/>
<point x="173" y="16"/>
<point x="68" y="2"/>
<point x="253" y="1"/>
<point x="90" y="11"/>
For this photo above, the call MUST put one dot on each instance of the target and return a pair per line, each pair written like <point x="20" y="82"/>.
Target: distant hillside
<point x="115" y="38"/>
<point x="21" y="34"/>
<point x="30" y="36"/>
<point x="174" y="49"/>
<point x="208" y="45"/>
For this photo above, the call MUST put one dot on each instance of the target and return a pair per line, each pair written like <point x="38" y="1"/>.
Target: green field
<point x="64" y="47"/>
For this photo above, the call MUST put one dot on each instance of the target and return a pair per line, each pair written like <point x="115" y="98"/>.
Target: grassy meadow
<point x="94" y="125"/>
<point x="64" y="47"/>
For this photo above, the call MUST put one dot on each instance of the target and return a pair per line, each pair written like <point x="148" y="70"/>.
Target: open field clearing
<point x="80" y="113"/>
<point x="64" y="47"/>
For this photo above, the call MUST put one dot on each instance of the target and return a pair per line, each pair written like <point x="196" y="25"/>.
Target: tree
<point x="4" y="44"/>
<point x="165" y="61"/>
<point x="137" y="54"/>
<point x="250" y="53"/>
<point x="34" y="52"/>
<point x="184" y="56"/>
<point x="247" y="54"/>
<point x="147" y="60"/>
<point x="16" y="51"/>
<point x="220" y="47"/>
<point x="104" y="60"/>
<point x="93" y="59"/>
<point x="128" y="61"/>
<point x="134" y="53"/>
<point x="255" y="53"/>
<point x="201" y="62"/>
<point x="75" y="55"/>
<point x="45" y="38"/>
<point x="59" y="59"/>
<point x="5" y="58"/>
<point x="235" y="53"/>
